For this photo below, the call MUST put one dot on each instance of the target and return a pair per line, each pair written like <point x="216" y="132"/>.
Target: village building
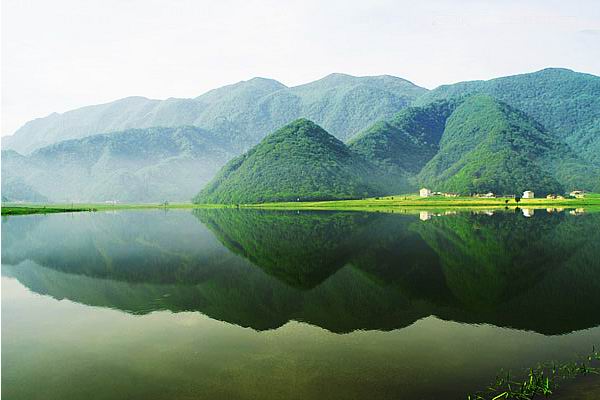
<point x="425" y="215"/>
<point x="577" y="193"/>
<point x="554" y="197"/>
<point x="528" y="194"/>
<point x="424" y="192"/>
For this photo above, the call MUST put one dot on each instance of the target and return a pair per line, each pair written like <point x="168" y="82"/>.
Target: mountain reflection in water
<point x="342" y="271"/>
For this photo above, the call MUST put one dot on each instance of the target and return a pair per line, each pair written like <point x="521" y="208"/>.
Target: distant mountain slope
<point x="15" y="189"/>
<point x="240" y="113"/>
<point x="489" y="146"/>
<point x="142" y="165"/>
<point x="298" y="161"/>
<point x="405" y="143"/>
<point x="567" y="103"/>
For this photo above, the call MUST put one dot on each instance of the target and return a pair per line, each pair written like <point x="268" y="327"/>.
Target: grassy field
<point x="414" y="201"/>
<point x="24" y="210"/>
<point x="388" y="203"/>
<point x="32" y="208"/>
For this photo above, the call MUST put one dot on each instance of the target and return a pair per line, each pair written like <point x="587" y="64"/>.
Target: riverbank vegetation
<point x="388" y="203"/>
<point x="36" y="209"/>
<point x="413" y="201"/>
<point x="541" y="381"/>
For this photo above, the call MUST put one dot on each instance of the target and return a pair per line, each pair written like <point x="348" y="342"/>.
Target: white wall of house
<point x="424" y="192"/>
<point x="528" y="194"/>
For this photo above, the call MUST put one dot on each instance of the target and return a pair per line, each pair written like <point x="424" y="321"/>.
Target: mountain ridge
<point x="154" y="164"/>
<point x="401" y="140"/>
<point x="240" y="112"/>
<point x="564" y="101"/>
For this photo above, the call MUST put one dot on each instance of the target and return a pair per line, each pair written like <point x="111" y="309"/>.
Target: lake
<point x="247" y="304"/>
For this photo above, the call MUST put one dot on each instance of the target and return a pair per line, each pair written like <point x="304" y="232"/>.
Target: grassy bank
<point x="25" y="210"/>
<point x="388" y="203"/>
<point x="542" y="381"/>
<point x="402" y="201"/>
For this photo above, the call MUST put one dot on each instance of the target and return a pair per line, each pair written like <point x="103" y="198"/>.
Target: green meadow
<point x="416" y="202"/>
<point x="388" y="203"/>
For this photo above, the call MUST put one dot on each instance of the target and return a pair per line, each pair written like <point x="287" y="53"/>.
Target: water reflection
<point x="340" y="271"/>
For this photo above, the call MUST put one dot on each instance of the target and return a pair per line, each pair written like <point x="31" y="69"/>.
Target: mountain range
<point x="566" y="103"/>
<point x="241" y="113"/>
<point x="371" y="136"/>
<point x="152" y="165"/>
<point x="474" y="144"/>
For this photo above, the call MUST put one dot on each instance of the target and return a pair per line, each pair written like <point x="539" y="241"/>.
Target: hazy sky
<point x="62" y="54"/>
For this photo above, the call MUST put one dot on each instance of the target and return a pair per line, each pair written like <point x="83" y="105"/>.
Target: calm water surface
<point x="242" y="304"/>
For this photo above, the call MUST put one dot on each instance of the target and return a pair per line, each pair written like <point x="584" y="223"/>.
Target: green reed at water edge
<point x="540" y="381"/>
<point x="43" y="210"/>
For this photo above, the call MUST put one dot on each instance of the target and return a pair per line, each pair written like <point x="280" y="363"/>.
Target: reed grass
<point x="539" y="382"/>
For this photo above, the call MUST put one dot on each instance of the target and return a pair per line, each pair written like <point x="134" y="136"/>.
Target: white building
<point x="577" y="193"/>
<point x="424" y="192"/>
<point x="528" y="194"/>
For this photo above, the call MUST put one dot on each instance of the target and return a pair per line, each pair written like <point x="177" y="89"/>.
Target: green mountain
<point x="565" y="102"/>
<point x="405" y="143"/>
<point x="538" y="131"/>
<point x="299" y="161"/>
<point x="489" y="146"/>
<point x="143" y="165"/>
<point x="473" y="144"/>
<point x="241" y="113"/>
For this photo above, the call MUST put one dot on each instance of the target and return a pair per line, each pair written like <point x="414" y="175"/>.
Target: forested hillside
<point x="565" y="102"/>
<point x="489" y="147"/>
<point x="405" y="143"/>
<point x="142" y="165"/>
<point x="474" y="144"/>
<point x="300" y="161"/>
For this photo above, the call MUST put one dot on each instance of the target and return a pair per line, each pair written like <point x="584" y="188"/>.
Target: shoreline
<point x="382" y="204"/>
<point x="568" y="380"/>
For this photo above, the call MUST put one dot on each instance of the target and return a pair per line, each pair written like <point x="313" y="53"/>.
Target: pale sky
<point x="57" y="55"/>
